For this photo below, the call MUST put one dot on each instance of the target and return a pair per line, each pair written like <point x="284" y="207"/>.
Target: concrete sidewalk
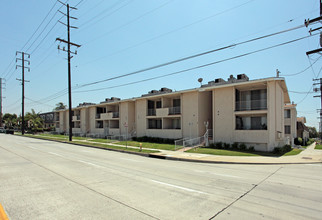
<point x="307" y="156"/>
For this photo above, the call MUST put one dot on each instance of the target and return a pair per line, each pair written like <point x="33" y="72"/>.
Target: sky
<point x="119" y="37"/>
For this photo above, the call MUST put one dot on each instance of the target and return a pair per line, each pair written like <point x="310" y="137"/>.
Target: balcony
<point x="108" y="116"/>
<point x="151" y="112"/>
<point x="76" y="118"/>
<point x="251" y="105"/>
<point x="175" y="110"/>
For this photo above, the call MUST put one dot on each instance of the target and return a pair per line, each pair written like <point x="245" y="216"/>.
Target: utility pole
<point x="1" y="83"/>
<point x="69" y="43"/>
<point x="23" y="86"/>
<point x="319" y="50"/>
<point x="309" y="22"/>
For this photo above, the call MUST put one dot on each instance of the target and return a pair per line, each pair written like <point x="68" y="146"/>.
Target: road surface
<point x="47" y="180"/>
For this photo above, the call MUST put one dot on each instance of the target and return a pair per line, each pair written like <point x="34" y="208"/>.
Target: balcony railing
<point x="251" y="105"/>
<point x="116" y="114"/>
<point x="174" y="110"/>
<point x="151" y="112"/>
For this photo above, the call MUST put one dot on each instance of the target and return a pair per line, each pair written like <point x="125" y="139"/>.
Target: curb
<point x="84" y="145"/>
<point x="164" y="157"/>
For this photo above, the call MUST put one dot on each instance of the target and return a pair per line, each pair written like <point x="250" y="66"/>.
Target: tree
<point x="312" y="132"/>
<point x="33" y="121"/>
<point x="60" y="106"/>
<point x="10" y="120"/>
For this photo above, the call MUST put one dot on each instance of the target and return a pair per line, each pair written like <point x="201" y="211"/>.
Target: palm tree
<point x="33" y="121"/>
<point x="60" y="106"/>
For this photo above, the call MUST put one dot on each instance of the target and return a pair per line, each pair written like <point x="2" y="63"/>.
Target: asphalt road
<point x="47" y="180"/>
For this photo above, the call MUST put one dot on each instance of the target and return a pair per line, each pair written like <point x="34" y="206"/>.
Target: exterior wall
<point x="223" y="115"/>
<point x="292" y="123"/>
<point x="215" y="104"/>
<point x="140" y="110"/>
<point x="275" y="115"/>
<point x="127" y="117"/>
<point x="189" y="112"/>
<point x="204" y="111"/>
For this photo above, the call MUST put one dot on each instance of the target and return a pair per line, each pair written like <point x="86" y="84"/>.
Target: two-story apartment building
<point x="237" y="110"/>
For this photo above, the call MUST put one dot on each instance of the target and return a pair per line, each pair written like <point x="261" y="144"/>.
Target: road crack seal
<point x="247" y="192"/>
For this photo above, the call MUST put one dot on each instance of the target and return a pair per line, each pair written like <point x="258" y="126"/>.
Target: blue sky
<point x="122" y="36"/>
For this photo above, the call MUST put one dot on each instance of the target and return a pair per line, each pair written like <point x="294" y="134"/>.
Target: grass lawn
<point x="318" y="147"/>
<point x="149" y="145"/>
<point x="78" y="140"/>
<point x="114" y="147"/>
<point x="240" y="153"/>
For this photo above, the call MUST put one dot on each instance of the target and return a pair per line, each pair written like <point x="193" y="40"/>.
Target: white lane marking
<point x="32" y="147"/>
<point x="217" y="174"/>
<point x="89" y="163"/>
<point x="179" y="187"/>
<point x="131" y="160"/>
<point x="55" y="154"/>
<point x="315" y="165"/>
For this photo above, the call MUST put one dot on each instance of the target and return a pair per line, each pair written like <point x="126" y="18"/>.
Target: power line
<point x="193" y="56"/>
<point x="43" y="30"/>
<point x="172" y="31"/>
<point x="39" y="25"/>
<point x="308" y="92"/>
<point x="311" y="64"/>
<point x="103" y="12"/>
<point x="189" y="69"/>
<point x="128" y="23"/>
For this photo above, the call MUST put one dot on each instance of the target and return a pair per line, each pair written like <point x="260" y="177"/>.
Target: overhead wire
<point x="308" y="92"/>
<point x="193" y="56"/>
<point x="170" y="32"/>
<point x="295" y="74"/>
<point x="192" y="68"/>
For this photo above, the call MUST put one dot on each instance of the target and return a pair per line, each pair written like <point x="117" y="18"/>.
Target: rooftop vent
<point x="219" y="80"/>
<point x="242" y="77"/>
<point x="231" y="79"/>
<point x="112" y="99"/>
<point x="85" y="104"/>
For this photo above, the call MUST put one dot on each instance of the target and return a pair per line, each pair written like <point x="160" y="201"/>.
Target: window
<point x="154" y="123"/>
<point x="99" y="124"/>
<point x="287" y="129"/>
<point x="251" y="123"/>
<point x="287" y="113"/>
<point x="251" y="100"/>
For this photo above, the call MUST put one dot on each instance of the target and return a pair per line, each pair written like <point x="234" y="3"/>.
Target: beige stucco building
<point x="237" y="110"/>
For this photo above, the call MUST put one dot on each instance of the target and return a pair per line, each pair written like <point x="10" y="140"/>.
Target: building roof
<point x="203" y="88"/>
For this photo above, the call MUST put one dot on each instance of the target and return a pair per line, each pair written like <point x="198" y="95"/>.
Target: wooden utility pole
<point x="23" y="86"/>
<point x="1" y="83"/>
<point x="69" y="43"/>
<point x="319" y="50"/>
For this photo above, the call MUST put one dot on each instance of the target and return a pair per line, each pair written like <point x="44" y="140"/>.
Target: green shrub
<point x="219" y="145"/>
<point x="226" y="146"/>
<point x="282" y="150"/>
<point x="251" y="148"/>
<point x="235" y="145"/>
<point x="298" y="141"/>
<point x="154" y="140"/>
<point x="242" y="147"/>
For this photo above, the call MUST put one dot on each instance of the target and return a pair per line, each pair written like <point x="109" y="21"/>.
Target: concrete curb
<point x="165" y="157"/>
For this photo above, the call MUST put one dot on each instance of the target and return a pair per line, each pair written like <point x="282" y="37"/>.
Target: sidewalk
<point x="307" y="156"/>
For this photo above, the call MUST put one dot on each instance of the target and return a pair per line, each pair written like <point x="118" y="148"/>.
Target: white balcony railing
<point x="251" y="105"/>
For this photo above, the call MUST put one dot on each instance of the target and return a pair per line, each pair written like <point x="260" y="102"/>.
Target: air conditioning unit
<point x="242" y="77"/>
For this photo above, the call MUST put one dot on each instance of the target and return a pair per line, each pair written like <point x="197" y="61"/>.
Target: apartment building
<point x="290" y="126"/>
<point x="237" y="110"/>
